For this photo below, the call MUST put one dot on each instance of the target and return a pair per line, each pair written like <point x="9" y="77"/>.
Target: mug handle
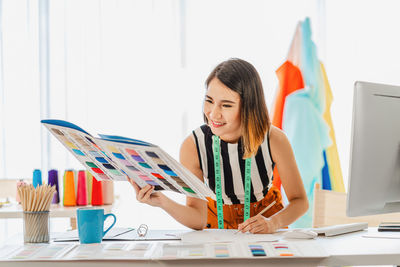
<point x="104" y="218"/>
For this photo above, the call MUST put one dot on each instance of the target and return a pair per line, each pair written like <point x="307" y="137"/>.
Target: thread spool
<point x="89" y="181"/>
<point x="76" y="181"/>
<point x="108" y="192"/>
<point x="19" y="184"/>
<point x="37" y="178"/>
<point x="53" y="180"/>
<point x="69" y="189"/>
<point x="97" y="193"/>
<point x="81" y="196"/>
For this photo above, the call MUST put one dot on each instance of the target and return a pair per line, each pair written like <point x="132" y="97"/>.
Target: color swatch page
<point x="196" y="250"/>
<point x="112" y="250"/>
<point x="86" y="150"/>
<point x="39" y="252"/>
<point x="294" y="249"/>
<point x="239" y="249"/>
<point x="149" y="164"/>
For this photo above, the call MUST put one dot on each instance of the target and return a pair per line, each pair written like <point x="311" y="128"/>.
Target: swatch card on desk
<point x="237" y="249"/>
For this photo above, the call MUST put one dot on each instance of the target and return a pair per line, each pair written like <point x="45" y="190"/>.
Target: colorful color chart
<point x="221" y="250"/>
<point x="155" y="250"/>
<point x="88" y="153"/>
<point x="118" y="158"/>
<point x="26" y="252"/>
<point x="183" y="251"/>
<point x="40" y="251"/>
<point x="282" y="249"/>
<point x="257" y="250"/>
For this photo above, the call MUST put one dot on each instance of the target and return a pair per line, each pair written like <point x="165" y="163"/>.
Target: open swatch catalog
<point x="115" y="158"/>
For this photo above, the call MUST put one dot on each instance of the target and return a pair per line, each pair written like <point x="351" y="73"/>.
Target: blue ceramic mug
<point x="91" y="224"/>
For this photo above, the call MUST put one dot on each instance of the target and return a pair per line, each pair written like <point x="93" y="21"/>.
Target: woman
<point x="234" y="153"/>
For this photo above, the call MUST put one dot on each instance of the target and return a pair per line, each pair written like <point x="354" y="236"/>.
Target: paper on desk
<point x="375" y="234"/>
<point x="73" y="235"/>
<point x="123" y="234"/>
<point x="116" y="251"/>
<point x="238" y="249"/>
<point x="226" y="235"/>
<point x="40" y="251"/>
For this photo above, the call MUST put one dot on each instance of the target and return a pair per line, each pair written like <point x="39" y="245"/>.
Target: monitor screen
<point x="374" y="171"/>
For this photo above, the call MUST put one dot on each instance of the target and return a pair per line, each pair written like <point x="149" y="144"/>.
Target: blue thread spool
<point x="37" y="178"/>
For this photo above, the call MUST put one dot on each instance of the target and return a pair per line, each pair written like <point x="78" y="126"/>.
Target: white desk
<point x="348" y="249"/>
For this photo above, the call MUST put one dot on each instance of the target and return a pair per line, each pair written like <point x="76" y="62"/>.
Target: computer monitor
<point x="374" y="171"/>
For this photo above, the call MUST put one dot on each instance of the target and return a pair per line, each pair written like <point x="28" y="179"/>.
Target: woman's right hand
<point x="147" y="194"/>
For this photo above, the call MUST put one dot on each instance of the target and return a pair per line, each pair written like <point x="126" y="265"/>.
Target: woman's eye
<point x="227" y="106"/>
<point x="208" y="100"/>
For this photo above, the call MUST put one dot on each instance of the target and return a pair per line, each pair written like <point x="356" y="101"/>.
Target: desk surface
<point x="347" y="249"/>
<point x="56" y="210"/>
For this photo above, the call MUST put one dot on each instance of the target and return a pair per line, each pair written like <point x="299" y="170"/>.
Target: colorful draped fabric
<point x="290" y="80"/>
<point x="302" y="110"/>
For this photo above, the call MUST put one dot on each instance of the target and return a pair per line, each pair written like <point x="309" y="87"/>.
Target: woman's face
<point x="222" y="110"/>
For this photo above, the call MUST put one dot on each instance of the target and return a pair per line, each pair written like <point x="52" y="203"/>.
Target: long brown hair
<point x="241" y="77"/>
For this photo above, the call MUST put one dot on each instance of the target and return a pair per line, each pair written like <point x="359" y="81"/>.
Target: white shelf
<point x="56" y="210"/>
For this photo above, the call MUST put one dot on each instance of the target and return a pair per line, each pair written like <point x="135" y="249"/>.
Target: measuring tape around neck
<point x="218" y="187"/>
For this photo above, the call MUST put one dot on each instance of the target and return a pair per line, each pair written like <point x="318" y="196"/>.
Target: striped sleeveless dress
<point x="233" y="167"/>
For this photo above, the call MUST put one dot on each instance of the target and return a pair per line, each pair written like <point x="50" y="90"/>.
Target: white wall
<point x="116" y="67"/>
<point x="361" y="44"/>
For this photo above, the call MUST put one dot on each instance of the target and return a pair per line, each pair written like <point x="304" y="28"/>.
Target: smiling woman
<point x="236" y="81"/>
<point x="135" y="67"/>
<point x="234" y="153"/>
<point x="222" y="110"/>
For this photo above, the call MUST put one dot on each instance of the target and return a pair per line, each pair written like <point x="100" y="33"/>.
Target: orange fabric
<point x="233" y="214"/>
<point x="290" y="80"/>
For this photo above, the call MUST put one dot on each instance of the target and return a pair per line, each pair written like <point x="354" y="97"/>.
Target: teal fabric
<point x="309" y="136"/>
<point x="304" y="125"/>
<point x="311" y="68"/>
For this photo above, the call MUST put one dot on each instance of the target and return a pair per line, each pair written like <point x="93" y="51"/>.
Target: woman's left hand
<point x="258" y="225"/>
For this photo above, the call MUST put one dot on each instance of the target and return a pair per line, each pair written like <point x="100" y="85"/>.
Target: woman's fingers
<point x="259" y="228"/>
<point x="146" y="196"/>
<point x="254" y="225"/>
<point x="142" y="192"/>
<point x="134" y="185"/>
<point x="247" y="225"/>
<point x="143" y="195"/>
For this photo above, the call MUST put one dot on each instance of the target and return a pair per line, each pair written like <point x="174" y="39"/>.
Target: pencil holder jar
<point x="35" y="204"/>
<point x="36" y="226"/>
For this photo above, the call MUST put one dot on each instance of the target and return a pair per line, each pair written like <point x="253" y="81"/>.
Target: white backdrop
<point x="137" y="69"/>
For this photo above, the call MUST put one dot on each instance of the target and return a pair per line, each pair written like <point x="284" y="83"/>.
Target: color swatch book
<point x="115" y="158"/>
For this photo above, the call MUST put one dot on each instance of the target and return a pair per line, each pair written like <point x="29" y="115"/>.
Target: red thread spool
<point x="97" y="193"/>
<point x="82" y="196"/>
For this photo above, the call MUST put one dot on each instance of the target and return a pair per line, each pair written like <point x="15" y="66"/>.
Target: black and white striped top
<point x="233" y="167"/>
